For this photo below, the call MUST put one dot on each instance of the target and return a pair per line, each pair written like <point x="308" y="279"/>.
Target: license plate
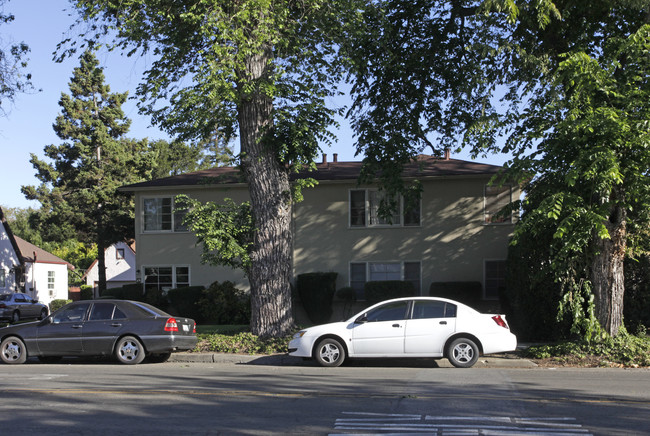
<point x="186" y="328"/>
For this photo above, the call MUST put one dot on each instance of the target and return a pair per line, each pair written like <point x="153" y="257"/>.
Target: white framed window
<point x="166" y="277"/>
<point x="495" y="278"/>
<point x="159" y="215"/>
<point x="51" y="280"/>
<point x="364" y="210"/>
<point x="119" y="253"/>
<point x="496" y="198"/>
<point x="362" y="272"/>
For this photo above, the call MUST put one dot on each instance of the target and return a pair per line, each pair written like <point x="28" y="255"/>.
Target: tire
<point x="329" y="352"/>
<point x="158" y="357"/>
<point x="43" y="314"/>
<point x="462" y="353"/>
<point x="15" y="317"/>
<point x="129" y="351"/>
<point x="13" y="351"/>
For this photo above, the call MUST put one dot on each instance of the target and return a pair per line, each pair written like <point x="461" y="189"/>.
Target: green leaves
<point x="225" y="231"/>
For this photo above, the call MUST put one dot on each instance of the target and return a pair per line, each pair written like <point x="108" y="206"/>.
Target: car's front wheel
<point x="43" y="314"/>
<point x="129" y="351"/>
<point x="15" y="317"/>
<point x="330" y="352"/>
<point x="462" y="353"/>
<point x="12" y="350"/>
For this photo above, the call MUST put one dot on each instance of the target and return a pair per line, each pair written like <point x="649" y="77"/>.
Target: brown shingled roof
<point x="424" y="167"/>
<point x="32" y="253"/>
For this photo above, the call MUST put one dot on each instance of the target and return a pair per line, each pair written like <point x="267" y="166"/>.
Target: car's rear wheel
<point x="12" y="350"/>
<point x="15" y="317"/>
<point x="462" y="353"/>
<point x="129" y="351"/>
<point x="330" y="352"/>
<point x="158" y="357"/>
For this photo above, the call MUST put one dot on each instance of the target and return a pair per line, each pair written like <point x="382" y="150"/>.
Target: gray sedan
<point x="17" y="306"/>
<point x="128" y="330"/>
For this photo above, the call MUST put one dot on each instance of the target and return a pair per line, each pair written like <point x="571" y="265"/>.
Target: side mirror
<point x="361" y="320"/>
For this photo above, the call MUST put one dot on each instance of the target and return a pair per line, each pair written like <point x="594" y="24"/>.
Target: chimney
<point x="324" y="158"/>
<point x="336" y="157"/>
<point x="447" y="154"/>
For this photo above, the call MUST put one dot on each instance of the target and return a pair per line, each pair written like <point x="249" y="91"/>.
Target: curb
<point x="286" y="360"/>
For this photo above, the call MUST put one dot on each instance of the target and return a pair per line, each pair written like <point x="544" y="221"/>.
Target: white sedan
<point x="408" y="327"/>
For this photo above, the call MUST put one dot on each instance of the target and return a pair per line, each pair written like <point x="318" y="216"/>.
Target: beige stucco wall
<point x="451" y="243"/>
<point x="179" y="248"/>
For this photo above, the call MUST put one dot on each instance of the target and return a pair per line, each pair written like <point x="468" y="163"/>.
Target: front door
<point x="380" y="332"/>
<point x="60" y="334"/>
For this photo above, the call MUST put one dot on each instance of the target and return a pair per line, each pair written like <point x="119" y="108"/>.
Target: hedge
<point x="375" y="292"/>
<point x="316" y="291"/>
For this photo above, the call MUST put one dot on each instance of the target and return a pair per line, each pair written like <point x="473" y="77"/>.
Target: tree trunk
<point x="268" y="181"/>
<point x="607" y="274"/>
<point x="101" y="256"/>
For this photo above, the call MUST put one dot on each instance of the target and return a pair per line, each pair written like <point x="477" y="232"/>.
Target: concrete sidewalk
<point x="492" y="361"/>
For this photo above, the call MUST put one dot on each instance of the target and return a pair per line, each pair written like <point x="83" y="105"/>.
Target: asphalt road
<point x="188" y="398"/>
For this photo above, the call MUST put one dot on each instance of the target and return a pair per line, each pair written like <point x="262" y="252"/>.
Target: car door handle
<point x="77" y="326"/>
<point x="443" y="322"/>
<point x="397" y="325"/>
<point x="116" y="324"/>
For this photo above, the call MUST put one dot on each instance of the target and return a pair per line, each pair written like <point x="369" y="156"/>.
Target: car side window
<point x="74" y="313"/>
<point x="19" y="299"/>
<point x="388" y="312"/>
<point x="118" y="314"/>
<point x="433" y="309"/>
<point x="428" y="309"/>
<point x="102" y="311"/>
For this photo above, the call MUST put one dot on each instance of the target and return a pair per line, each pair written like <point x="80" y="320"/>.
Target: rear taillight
<point x="194" y="331"/>
<point x="500" y="321"/>
<point x="3" y="306"/>
<point x="171" y="325"/>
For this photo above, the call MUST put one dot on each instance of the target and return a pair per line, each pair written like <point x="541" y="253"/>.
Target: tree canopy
<point x="13" y="61"/>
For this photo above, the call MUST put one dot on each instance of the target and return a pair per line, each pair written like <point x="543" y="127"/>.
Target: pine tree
<point x="78" y="191"/>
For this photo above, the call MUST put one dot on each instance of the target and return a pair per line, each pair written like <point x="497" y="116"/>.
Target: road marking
<point x="360" y="423"/>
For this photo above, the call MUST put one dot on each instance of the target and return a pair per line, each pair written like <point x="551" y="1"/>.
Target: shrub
<point x="57" y="304"/>
<point x="132" y="291"/>
<point x="86" y="292"/>
<point x="470" y="293"/>
<point x="636" y="307"/>
<point x="156" y="297"/>
<point x="183" y="302"/>
<point x="316" y="291"/>
<point x="223" y="303"/>
<point x="375" y="292"/>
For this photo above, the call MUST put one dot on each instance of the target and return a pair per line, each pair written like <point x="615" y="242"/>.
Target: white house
<point x="119" y="259"/>
<point x="24" y="267"/>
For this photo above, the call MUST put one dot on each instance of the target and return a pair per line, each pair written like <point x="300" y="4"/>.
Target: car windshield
<point x="148" y="309"/>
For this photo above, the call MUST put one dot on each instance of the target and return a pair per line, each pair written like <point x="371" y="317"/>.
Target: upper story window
<point x="365" y="210"/>
<point x="496" y="198"/>
<point x="159" y="215"/>
<point x="119" y="253"/>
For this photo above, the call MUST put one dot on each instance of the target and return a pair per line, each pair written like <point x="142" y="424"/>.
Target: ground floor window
<point x="51" y="282"/>
<point x="495" y="278"/>
<point x="165" y="278"/>
<point x="362" y="272"/>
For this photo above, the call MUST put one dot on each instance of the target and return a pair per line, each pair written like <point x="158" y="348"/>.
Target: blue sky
<point x="27" y="129"/>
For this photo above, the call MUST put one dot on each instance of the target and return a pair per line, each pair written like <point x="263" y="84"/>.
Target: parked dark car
<point x="17" y="306"/>
<point x="127" y="330"/>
